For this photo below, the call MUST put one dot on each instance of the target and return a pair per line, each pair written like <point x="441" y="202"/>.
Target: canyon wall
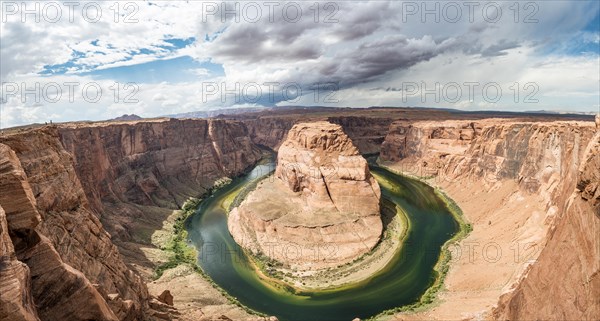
<point x="16" y="301"/>
<point x="532" y="183"/>
<point x="157" y="164"/>
<point x="58" y="184"/>
<point x="58" y="291"/>
<point x="367" y="133"/>
<point x="68" y="194"/>
<point x="269" y="131"/>
<point x="564" y="283"/>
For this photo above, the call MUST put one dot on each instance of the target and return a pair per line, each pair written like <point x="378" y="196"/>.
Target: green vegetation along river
<point x="402" y="282"/>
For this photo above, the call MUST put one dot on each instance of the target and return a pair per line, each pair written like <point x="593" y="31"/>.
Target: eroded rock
<point x="322" y="207"/>
<point x="16" y="302"/>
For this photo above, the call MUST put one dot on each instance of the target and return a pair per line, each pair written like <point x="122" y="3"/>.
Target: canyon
<point x="84" y="203"/>
<point x="322" y="196"/>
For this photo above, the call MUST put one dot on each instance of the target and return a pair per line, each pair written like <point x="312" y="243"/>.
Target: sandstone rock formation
<point x="51" y="174"/>
<point x="58" y="290"/>
<point x="423" y="147"/>
<point x="158" y="164"/>
<point x="70" y="193"/>
<point x="16" y="302"/>
<point x="527" y="172"/>
<point x="571" y="255"/>
<point x="321" y="210"/>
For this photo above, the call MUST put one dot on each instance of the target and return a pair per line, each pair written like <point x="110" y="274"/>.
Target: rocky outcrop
<point x="60" y="292"/>
<point x="57" y="289"/>
<point x="571" y="255"/>
<point x="588" y="182"/>
<point x="321" y="162"/>
<point x="16" y="301"/>
<point x="16" y="193"/>
<point x="322" y="207"/>
<point x="545" y="162"/>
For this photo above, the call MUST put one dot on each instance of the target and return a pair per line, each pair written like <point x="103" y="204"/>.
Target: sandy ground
<point x="509" y="230"/>
<point x="194" y="297"/>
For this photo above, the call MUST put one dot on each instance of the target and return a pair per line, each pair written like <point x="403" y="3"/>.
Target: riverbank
<point x="508" y="229"/>
<point x="196" y="295"/>
<point x="336" y="279"/>
<point x="429" y="218"/>
<point x="430" y="298"/>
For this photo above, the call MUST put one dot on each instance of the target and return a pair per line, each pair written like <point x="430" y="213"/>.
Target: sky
<point x="98" y="60"/>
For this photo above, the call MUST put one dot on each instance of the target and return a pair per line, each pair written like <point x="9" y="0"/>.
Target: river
<point x="401" y="282"/>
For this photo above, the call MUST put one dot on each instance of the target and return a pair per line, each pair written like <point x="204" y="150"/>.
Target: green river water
<point x="401" y="282"/>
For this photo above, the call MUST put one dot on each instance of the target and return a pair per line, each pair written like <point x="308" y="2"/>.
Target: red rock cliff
<point x="59" y="291"/>
<point x="322" y="197"/>
<point x="67" y="267"/>
<point x="160" y="163"/>
<point x="479" y="161"/>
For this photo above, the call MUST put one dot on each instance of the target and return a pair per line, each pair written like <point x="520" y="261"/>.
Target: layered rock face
<point x="423" y="147"/>
<point x="16" y="301"/>
<point x="568" y="268"/>
<point x="322" y="207"/>
<point x="320" y="161"/>
<point x="58" y="291"/>
<point x="367" y="133"/>
<point x="269" y="131"/>
<point x="532" y="169"/>
<point x="159" y="164"/>
<point x="64" y="260"/>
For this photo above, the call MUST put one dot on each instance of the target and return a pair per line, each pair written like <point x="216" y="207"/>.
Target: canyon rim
<point x="84" y="205"/>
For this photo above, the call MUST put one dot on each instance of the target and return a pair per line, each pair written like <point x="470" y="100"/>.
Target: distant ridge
<point x="218" y="112"/>
<point x="126" y="117"/>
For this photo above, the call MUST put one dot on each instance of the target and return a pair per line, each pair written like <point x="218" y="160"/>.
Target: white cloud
<point x="370" y="47"/>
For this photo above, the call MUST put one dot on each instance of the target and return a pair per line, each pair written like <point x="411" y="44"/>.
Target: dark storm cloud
<point x="364" y="21"/>
<point x="377" y="58"/>
<point x="282" y="40"/>
<point x="367" y="44"/>
<point x="255" y="44"/>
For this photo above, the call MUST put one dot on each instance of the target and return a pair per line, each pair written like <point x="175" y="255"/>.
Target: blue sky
<point x="182" y="59"/>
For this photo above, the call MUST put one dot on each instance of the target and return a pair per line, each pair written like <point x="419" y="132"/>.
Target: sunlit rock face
<point x="320" y="209"/>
